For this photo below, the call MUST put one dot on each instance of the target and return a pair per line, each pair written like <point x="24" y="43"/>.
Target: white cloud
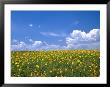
<point x="37" y="43"/>
<point x="53" y="34"/>
<point x="76" y="40"/>
<point x="49" y="34"/>
<point x="20" y="46"/>
<point x="22" y="43"/>
<point x="81" y="40"/>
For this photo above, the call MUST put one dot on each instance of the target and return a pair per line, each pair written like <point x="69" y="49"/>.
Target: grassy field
<point x="61" y="63"/>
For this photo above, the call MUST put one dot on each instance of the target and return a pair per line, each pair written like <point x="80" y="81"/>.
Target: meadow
<point x="56" y="63"/>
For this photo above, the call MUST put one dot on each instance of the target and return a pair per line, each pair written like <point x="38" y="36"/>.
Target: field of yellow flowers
<point x="59" y="63"/>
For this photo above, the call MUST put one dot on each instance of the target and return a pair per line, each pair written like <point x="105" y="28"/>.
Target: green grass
<point x="61" y="63"/>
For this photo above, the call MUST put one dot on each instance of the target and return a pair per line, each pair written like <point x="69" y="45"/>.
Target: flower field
<point x="59" y="63"/>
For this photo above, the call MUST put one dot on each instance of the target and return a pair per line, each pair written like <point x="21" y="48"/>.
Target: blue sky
<point x="35" y="30"/>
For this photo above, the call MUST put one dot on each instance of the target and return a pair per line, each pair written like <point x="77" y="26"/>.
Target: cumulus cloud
<point x="35" y="45"/>
<point x="77" y="39"/>
<point x="81" y="40"/>
<point x="19" y="46"/>
<point x="93" y="35"/>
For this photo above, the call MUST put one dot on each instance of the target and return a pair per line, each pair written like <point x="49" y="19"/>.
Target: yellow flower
<point x="72" y="63"/>
<point x="37" y="66"/>
<point x="50" y="71"/>
<point x="61" y="71"/>
<point x="17" y="65"/>
<point x="45" y="63"/>
<point x="78" y="61"/>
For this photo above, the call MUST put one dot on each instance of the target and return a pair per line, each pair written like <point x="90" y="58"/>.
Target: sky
<point x="55" y="30"/>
